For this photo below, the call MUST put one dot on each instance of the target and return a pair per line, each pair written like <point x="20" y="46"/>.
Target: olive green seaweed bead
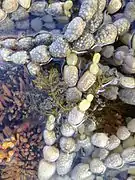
<point x="94" y="68"/>
<point x="84" y="105"/>
<point x="96" y="58"/>
<point x="72" y="59"/>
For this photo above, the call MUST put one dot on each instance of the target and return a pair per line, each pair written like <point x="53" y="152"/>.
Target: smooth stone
<point x="47" y="18"/>
<point x="36" y="24"/>
<point x="113" y="142"/>
<point x="25" y="3"/>
<point x="25" y="43"/>
<point x="23" y="24"/>
<point x="73" y="94"/>
<point x="33" y="68"/>
<point x="66" y="129"/>
<point x="49" y="137"/>
<point x="20" y="57"/>
<point x="3" y="15"/>
<point x="67" y="144"/>
<point x="131" y="125"/>
<point x="113" y="161"/>
<point x="75" y="116"/>
<point x="50" y="153"/>
<point x="49" y="25"/>
<point x="127" y="96"/>
<point x="4" y="53"/>
<point x="72" y="59"/>
<point x="103" y="153"/>
<point x="99" y="139"/>
<point x="43" y="38"/>
<point x="46" y="170"/>
<point x="127" y="82"/>
<point x="7" y="26"/>
<point x="128" y="142"/>
<point x="86" y="81"/>
<point x="64" y="163"/>
<point x="19" y="14"/>
<point x="38" y="8"/>
<point x="70" y="75"/>
<point x="108" y="51"/>
<point x="40" y="54"/>
<point x="9" y="6"/>
<point x="123" y="133"/>
<point x="97" y="166"/>
<point x="80" y="171"/>
<point x="9" y="43"/>
<point x="62" y="19"/>
<point x="128" y="154"/>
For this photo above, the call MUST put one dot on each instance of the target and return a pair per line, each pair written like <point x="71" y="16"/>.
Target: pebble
<point x="57" y="177"/>
<point x="131" y="125"/>
<point x="74" y="29"/>
<point x="80" y="171"/>
<point x="67" y="144"/>
<point x="85" y="144"/>
<point x="88" y="9"/>
<point x="22" y="25"/>
<point x="99" y="139"/>
<point x="73" y="94"/>
<point x="5" y="53"/>
<point x="86" y="81"/>
<point x="127" y="96"/>
<point x="122" y="25"/>
<point x="70" y="75"/>
<point x="113" y="161"/>
<point x="113" y="142"/>
<point x="59" y="48"/>
<point x="7" y="26"/>
<point x="128" y="154"/>
<point x="44" y="38"/>
<point x="128" y="142"/>
<point x="3" y="15"/>
<point x="55" y="9"/>
<point x="123" y="133"/>
<point x="129" y="11"/>
<point x="84" y="42"/>
<point x="127" y="82"/>
<point x="106" y="35"/>
<point x="20" y="57"/>
<point x="47" y="18"/>
<point x="25" y="3"/>
<point x="64" y="163"/>
<point x="67" y="130"/>
<point x="75" y="116"/>
<point x="38" y="8"/>
<point x="90" y="126"/>
<point x="119" y="149"/>
<point x="97" y="166"/>
<point x="46" y="170"/>
<point x="36" y="24"/>
<point x="50" y="26"/>
<point x="25" y="43"/>
<point x="50" y="153"/>
<point x="72" y="59"/>
<point x="114" y="6"/>
<point x="40" y="54"/>
<point x="103" y="153"/>
<point x="33" y="68"/>
<point x="108" y="51"/>
<point x="19" y="14"/>
<point x="9" y="6"/>
<point x="49" y="137"/>
<point x="9" y="43"/>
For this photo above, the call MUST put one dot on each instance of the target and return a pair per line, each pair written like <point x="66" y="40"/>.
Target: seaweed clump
<point x="51" y="83"/>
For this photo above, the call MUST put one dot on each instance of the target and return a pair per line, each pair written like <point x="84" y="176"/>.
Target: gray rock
<point x="70" y="75"/>
<point x="36" y="24"/>
<point x="74" y="29"/>
<point x="127" y="96"/>
<point x="55" y="9"/>
<point x="49" y="137"/>
<point x="7" y="26"/>
<point x="75" y="116"/>
<point x="66" y="129"/>
<point x="128" y="154"/>
<point x="47" y="18"/>
<point x="9" y="43"/>
<point x="62" y="19"/>
<point x="33" y="68"/>
<point x="73" y="94"/>
<point x="129" y="11"/>
<point x="103" y="153"/>
<point x="113" y="142"/>
<point x="25" y="43"/>
<point x="113" y="161"/>
<point x="99" y="139"/>
<point x="131" y="125"/>
<point x="108" y="51"/>
<point x="20" y="57"/>
<point x="20" y="14"/>
<point x="80" y="171"/>
<point x="59" y="48"/>
<point x="50" y="26"/>
<point x="97" y="166"/>
<point x="110" y="92"/>
<point x="23" y="24"/>
<point x="123" y="133"/>
<point x="64" y="163"/>
<point x="4" y="53"/>
<point x="38" y="8"/>
<point x="43" y="38"/>
<point x="67" y="144"/>
<point x="40" y="54"/>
